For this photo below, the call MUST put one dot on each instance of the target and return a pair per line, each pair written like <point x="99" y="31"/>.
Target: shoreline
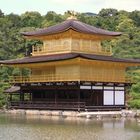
<point x="97" y="114"/>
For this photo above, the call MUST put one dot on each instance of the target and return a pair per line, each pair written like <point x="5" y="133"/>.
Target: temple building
<point x="71" y="70"/>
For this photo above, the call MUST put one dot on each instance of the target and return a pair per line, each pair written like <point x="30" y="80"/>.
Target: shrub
<point x="134" y="103"/>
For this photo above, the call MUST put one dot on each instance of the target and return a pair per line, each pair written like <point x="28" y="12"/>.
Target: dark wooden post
<point x="79" y="95"/>
<point x="21" y="96"/>
<point x="10" y="97"/>
<point x="114" y="94"/>
<point x="79" y="99"/>
<point x="125" y="92"/>
<point x="55" y="96"/>
<point x="30" y="96"/>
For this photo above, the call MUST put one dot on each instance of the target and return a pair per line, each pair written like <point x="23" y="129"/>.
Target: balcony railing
<point x="68" y="78"/>
<point x="42" y="50"/>
<point x="48" y="105"/>
<point x="44" y="78"/>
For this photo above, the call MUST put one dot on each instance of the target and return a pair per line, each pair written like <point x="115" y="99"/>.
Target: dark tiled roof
<point x="37" y="59"/>
<point x="59" y="57"/>
<point x="71" y="24"/>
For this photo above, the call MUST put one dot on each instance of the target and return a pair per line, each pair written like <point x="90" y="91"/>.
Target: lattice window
<point x="75" y="43"/>
<point x="95" y="46"/>
<point x="66" y="43"/>
<point x="86" y="43"/>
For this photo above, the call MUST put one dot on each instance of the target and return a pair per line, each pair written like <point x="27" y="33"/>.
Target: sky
<point x="61" y="6"/>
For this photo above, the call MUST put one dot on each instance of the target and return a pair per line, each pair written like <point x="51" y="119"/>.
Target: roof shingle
<point x="71" y="24"/>
<point x="67" y="56"/>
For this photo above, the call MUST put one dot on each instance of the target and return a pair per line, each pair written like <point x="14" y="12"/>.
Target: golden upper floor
<point x="70" y="45"/>
<point x="71" y="36"/>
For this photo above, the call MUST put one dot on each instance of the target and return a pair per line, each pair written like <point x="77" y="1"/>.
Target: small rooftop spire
<point x="72" y="14"/>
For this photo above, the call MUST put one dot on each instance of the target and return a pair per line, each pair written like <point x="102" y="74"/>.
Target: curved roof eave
<point x="71" y="24"/>
<point x="59" y="57"/>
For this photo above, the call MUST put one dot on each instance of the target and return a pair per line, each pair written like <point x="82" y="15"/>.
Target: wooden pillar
<point x="91" y="97"/>
<point x="125" y="96"/>
<point x="33" y="96"/>
<point x="55" y="96"/>
<point x="114" y="94"/>
<point x="10" y="97"/>
<point x="30" y="96"/>
<point x="79" y="95"/>
<point x="21" y="96"/>
<point x="79" y="99"/>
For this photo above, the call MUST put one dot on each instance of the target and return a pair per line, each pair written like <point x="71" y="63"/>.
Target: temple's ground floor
<point x="62" y="96"/>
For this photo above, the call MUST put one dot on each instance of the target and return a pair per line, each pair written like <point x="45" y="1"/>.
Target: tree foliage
<point x="13" y="45"/>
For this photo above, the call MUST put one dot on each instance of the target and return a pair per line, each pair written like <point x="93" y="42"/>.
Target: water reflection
<point x="20" y="127"/>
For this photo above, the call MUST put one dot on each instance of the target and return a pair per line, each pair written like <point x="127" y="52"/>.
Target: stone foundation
<point x="112" y="114"/>
<point x="43" y="112"/>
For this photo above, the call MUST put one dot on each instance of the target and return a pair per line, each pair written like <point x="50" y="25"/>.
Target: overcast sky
<point x="60" y="6"/>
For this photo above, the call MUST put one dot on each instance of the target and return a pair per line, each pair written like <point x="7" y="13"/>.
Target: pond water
<point x="20" y="127"/>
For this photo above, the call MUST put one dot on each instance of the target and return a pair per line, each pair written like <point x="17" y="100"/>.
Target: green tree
<point x="134" y="101"/>
<point x="31" y="19"/>
<point x="108" y="12"/>
<point x="135" y="16"/>
<point x="1" y="14"/>
<point x="51" y="18"/>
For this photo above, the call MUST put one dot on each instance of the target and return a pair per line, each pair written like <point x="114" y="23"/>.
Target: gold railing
<point x="44" y="78"/>
<point x="67" y="78"/>
<point x="42" y="50"/>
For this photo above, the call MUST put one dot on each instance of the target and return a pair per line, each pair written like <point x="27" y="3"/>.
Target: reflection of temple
<point x="114" y="124"/>
<point x="71" y="70"/>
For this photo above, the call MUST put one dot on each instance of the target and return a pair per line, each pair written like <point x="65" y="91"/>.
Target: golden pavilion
<point x="71" y="70"/>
